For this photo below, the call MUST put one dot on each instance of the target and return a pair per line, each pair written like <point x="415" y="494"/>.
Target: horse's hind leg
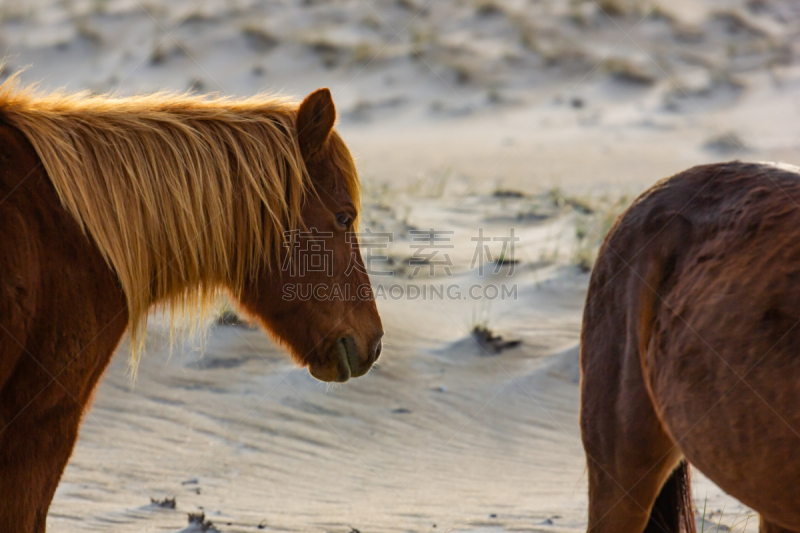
<point x="629" y="460"/>
<point x="629" y="455"/>
<point x="634" y="485"/>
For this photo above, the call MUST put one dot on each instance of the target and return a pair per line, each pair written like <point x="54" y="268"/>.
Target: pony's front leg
<point x="34" y="449"/>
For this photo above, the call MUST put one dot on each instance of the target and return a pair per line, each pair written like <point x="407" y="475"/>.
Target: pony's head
<point x="256" y="196"/>
<point x="319" y="302"/>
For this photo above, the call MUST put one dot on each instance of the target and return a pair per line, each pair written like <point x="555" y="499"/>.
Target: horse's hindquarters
<point x="691" y="347"/>
<point x="722" y="357"/>
<point x="724" y="375"/>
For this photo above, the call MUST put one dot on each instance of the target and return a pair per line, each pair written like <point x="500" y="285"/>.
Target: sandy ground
<point x="546" y="117"/>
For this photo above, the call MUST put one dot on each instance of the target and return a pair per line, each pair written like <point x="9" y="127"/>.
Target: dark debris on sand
<point x="199" y="521"/>
<point x="166" y="503"/>
<point x="491" y="342"/>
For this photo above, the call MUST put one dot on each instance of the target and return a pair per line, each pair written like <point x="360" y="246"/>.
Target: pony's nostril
<point x="377" y="351"/>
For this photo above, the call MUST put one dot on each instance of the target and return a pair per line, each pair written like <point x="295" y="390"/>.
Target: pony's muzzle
<point x="357" y="364"/>
<point x="347" y="360"/>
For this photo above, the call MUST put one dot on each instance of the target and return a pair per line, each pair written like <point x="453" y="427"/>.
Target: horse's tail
<point x="672" y="512"/>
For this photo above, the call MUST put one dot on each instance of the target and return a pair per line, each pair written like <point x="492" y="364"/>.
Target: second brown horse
<point x="690" y="351"/>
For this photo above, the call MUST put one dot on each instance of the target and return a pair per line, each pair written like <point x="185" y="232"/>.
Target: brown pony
<point x="110" y="206"/>
<point x="690" y="351"/>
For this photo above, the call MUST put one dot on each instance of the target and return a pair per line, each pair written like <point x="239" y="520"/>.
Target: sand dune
<point x="547" y="117"/>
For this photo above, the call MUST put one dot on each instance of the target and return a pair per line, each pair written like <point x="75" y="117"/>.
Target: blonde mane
<point x="183" y="195"/>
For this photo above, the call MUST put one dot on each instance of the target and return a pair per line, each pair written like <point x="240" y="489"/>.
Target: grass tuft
<point x="166" y="503"/>
<point x="198" y="520"/>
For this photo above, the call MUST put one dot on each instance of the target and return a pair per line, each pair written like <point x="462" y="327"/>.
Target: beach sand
<point x="546" y="117"/>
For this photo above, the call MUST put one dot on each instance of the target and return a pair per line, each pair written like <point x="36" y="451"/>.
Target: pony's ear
<point x="315" y="119"/>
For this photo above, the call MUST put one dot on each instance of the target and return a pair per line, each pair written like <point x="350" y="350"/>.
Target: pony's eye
<point x="343" y="219"/>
